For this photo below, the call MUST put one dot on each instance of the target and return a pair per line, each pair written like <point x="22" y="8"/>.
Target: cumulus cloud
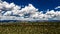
<point x="11" y="11"/>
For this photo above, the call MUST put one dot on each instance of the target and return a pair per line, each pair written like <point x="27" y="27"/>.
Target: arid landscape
<point x="30" y="28"/>
<point x="29" y="16"/>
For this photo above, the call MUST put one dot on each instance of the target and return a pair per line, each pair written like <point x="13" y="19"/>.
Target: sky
<point x="29" y="10"/>
<point x="40" y="4"/>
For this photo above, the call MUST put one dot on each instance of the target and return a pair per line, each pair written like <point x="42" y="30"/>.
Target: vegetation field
<point x="30" y="28"/>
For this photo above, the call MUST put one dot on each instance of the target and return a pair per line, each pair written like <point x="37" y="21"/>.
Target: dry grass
<point x="30" y="28"/>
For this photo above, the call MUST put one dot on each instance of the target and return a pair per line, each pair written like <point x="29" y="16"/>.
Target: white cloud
<point x="8" y="13"/>
<point x="57" y="7"/>
<point x="28" y="13"/>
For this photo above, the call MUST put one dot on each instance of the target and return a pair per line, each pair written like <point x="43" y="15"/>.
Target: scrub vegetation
<point x="30" y="28"/>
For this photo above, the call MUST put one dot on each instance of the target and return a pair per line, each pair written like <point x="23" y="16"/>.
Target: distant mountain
<point x="30" y="21"/>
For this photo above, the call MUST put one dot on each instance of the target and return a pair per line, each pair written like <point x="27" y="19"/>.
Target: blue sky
<point x="40" y="4"/>
<point x="30" y="10"/>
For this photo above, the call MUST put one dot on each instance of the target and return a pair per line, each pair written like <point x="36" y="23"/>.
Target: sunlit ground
<point x="30" y="28"/>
